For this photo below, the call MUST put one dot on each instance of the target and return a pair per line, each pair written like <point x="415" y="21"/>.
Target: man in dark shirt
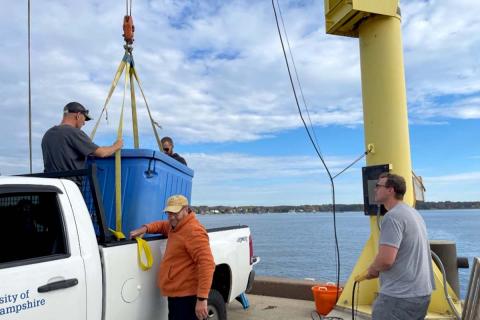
<point x="65" y="147"/>
<point x="167" y="145"/>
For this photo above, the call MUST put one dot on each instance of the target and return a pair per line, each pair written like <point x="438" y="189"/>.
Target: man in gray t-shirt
<point x="66" y="147"/>
<point x="403" y="262"/>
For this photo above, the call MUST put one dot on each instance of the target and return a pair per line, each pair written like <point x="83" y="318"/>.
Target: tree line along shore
<point x="442" y="205"/>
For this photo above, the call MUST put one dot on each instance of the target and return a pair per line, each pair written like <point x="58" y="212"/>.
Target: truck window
<point x="32" y="227"/>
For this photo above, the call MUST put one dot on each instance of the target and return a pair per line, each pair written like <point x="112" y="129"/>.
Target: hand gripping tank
<point x="149" y="177"/>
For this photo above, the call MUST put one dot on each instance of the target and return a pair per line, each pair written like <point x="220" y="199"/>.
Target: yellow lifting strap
<point x="118" y="166"/>
<point x="136" y="143"/>
<point x="112" y="88"/>
<point x="127" y="64"/>
<point x="128" y="60"/>
<point x="142" y="246"/>
<point x="153" y="123"/>
<point x="118" y="235"/>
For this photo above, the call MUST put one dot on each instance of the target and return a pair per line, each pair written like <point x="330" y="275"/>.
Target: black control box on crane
<point x="370" y="175"/>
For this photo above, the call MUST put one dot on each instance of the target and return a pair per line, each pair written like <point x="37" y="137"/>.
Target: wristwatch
<point x="201" y="299"/>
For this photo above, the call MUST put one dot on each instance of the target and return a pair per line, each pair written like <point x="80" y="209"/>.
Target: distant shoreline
<point x="442" y="205"/>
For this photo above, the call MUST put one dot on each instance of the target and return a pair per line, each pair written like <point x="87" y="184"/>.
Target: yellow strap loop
<point x="142" y="246"/>
<point x="119" y="235"/>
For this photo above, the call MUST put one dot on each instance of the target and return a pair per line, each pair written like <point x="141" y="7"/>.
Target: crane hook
<point x="128" y="29"/>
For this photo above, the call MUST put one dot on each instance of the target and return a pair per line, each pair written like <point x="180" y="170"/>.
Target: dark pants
<point x="182" y="308"/>
<point x="391" y="308"/>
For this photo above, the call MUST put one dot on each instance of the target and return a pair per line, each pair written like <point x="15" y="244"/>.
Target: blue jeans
<point x="391" y="308"/>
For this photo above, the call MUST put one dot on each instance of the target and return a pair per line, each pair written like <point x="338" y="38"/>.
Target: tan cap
<point x="176" y="203"/>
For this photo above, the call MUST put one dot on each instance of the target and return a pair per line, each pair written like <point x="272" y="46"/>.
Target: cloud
<point x="243" y="179"/>
<point x="438" y="109"/>
<point x="456" y="178"/>
<point x="230" y="178"/>
<point x="456" y="187"/>
<point x="439" y="58"/>
<point x="214" y="72"/>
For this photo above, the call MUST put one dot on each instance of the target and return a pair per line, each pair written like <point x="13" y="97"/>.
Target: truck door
<point x="41" y="270"/>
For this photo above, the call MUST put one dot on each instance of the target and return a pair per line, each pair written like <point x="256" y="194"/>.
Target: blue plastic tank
<point x="149" y="177"/>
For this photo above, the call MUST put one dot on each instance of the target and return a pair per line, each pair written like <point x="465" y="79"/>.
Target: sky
<point x="214" y="76"/>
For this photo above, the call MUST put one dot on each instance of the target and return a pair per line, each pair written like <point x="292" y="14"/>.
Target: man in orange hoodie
<point x="186" y="271"/>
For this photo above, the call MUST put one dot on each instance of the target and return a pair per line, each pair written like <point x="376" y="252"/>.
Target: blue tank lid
<point x="156" y="155"/>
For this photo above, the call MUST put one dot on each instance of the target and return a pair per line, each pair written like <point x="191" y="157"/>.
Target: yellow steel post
<point x="385" y="121"/>
<point x="384" y="97"/>
<point x="377" y="24"/>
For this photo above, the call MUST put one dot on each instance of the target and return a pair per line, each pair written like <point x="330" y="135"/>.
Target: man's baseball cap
<point x="74" y="107"/>
<point x="176" y="203"/>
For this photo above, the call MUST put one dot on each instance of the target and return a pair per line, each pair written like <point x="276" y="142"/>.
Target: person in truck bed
<point x="186" y="271"/>
<point x="167" y="146"/>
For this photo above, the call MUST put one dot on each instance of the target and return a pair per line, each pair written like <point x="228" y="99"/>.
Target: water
<point x="301" y="245"/>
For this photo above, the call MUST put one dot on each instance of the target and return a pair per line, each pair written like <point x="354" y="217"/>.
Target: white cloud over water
<point x="224" y="178"/>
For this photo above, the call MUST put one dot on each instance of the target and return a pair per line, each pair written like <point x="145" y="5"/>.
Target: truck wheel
<point x="216" y="306"/>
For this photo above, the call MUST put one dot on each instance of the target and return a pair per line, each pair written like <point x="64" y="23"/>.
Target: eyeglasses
<point x="380" y="185"/>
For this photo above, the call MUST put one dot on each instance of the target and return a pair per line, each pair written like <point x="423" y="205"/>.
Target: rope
<point x="351" y="164"/>
<point x="356" y="285"/>
<point x="29" y="93"/>
<point x="296" y="75"/>
<point x="127" y="7"/>
<point x="317" y="150"/>
<point x="445" y="285"/>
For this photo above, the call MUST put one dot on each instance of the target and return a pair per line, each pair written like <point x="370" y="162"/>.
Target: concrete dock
<point x="281" y="298"/>
<point x="266" y="308"/>
<point x="287" y="299"/>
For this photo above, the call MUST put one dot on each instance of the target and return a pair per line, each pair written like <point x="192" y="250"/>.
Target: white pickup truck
<point x="57" y="261"/>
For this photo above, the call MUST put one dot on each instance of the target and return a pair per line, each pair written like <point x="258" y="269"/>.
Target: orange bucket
<point x="325" y="297"/>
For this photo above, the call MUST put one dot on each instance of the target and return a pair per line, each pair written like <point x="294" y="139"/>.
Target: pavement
<point x="266" y="308"/>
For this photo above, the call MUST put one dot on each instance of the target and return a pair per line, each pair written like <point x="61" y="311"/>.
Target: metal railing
<point x="471" y="308"/>
<point x="86" y="180"/>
